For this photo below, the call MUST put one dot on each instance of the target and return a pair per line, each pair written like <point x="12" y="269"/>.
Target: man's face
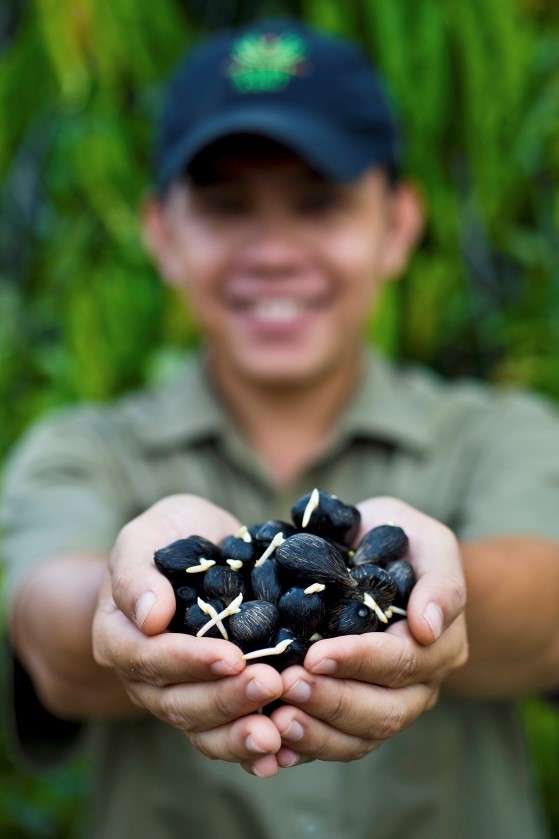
<point x="278" y="266"/>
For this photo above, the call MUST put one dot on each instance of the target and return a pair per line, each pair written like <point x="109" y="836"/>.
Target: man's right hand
<point x="199" y="685"/>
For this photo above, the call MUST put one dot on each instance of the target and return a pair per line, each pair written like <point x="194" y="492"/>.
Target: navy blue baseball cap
<point x="315" y="94"/>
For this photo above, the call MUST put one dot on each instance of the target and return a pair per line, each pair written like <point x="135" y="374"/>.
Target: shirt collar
<point x="382" y="408"/>
<point x="386" y="406"/>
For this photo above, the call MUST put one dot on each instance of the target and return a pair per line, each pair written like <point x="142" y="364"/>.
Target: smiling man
<point x="279" y="215"/>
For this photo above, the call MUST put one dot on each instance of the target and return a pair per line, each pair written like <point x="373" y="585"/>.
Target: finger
<point x="139" y="590"/>
<point x="362" y="710"/>
<point x="202" y="706"/>
<point x="246" y="740"/>
<point x="439" y="595"/>
<point x="390" y="659"/>
<point x="166" y="659"/>
<point x="264" y="767"/>
<point x="311" y="739"/>
<point x="287" y="758"/>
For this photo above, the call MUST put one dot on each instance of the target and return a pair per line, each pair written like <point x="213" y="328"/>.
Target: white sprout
<point x="312" y="504"/>
<point x="277" y="650"/>
<point x="203" y="565"/>
<point x="275" y="543"/>
<point x="373" y="605"/>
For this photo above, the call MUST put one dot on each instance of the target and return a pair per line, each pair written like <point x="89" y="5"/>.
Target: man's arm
<point x="50" y="628"/>
<point x="512" y="617"/>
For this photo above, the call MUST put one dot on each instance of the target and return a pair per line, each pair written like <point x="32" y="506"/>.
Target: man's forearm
<point x="512" y="616"/>
<point x="50" y="627"/>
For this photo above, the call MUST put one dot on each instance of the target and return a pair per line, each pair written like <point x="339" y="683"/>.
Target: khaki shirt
<point x="484" y="462"/>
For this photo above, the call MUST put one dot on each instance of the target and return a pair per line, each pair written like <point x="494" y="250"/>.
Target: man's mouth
<point x="278" y="309"/>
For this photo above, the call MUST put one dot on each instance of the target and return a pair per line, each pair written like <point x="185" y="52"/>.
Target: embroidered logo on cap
<point x="266" y="63"/>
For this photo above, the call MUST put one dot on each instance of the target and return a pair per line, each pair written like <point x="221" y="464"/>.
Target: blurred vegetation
<point x="83" y="314"/>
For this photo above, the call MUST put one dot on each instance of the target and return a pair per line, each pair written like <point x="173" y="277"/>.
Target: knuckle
<point x="219" y="705"/>
<point x="200" y="743"/>
<point x="121" y="587"/>
<point x="432" y="699"/>
<point x="404" y="670"/>
<point x="320" y="746"/>
<point x="340" y="708"/>
<point x="392" y="722"/>
<point x="145" y="665"/>
<point x="170" y="710"/>
<point x="364" y="748"/>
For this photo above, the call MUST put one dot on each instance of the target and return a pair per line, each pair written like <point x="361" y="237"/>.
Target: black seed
<point x="302" y="613"/>
<point x="294" y="654"/>
<point x="377" y="582"/>
<point x="350" y="617"/>
<point x="174" y="559"/>
<point x="223" y="582"/>
<point x="185" y="596"/>
<point x="404" y="577"/>
<point x="311" y="559"/>
<point x="332" y="518"/>
<point x="263" y="533"/>
<point x="265" y="582"/>
<point x="381" y="545"/>
<point x="254" y="622"/>
<point x="235" y="548"/>
<point x="195" y="619"/>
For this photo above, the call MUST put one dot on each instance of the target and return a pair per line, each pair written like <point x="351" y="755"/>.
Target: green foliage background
<point x="83" y="315"/>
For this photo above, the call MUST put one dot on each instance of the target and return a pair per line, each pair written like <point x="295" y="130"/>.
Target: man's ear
<point x="159" y="240"/>
<point x="405" y="228"/>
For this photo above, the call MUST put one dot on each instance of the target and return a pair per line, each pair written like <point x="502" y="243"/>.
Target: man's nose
<point x="273" y="247"/>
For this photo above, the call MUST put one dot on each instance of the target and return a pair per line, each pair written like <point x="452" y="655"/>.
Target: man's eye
<point x="320" y="203"/>
<point x="223" y="205"/>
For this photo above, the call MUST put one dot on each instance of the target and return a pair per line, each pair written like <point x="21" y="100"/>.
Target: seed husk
<point x="184" y="554"/>
<point x="223" y="583"/>
<point x="265" y="582"/>
<point x="325" y="515"/>
<point x="308" y="558"/>
<point x="217" y="618"/>
<point x="404" y="577"/>
<point x="254" y="622"/>
<point x="294" y="652"/>
<point x="350" y="617"/>
<point x="195" y="618"/>
<point x="237" y="549"/>
<point x="185" y="596"/>
<point x="264" y="532"/>
<point x="303" y="613"/>
<point x="381" y="545"/>
<point x="376" y="581"/>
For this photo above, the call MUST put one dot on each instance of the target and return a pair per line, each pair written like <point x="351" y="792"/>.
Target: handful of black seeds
<point x="274" y="588"/>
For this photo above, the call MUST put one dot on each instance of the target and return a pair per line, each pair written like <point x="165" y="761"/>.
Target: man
<point x="279" y="216"/>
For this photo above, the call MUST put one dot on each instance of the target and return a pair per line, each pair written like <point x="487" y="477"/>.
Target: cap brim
<point x="320" y="144"/>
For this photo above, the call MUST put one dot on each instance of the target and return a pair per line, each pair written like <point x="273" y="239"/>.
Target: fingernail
<point x="226" y="668"/>
<point x="256" y="692"/>
<point x="293" y="732"/>
<point x="144" y="606"/>
<point x="434" y="617"/>
<point x="289" y="760"/>
<point x="300" y="692"/>
<point x="252" y="746"/>
<point x="325" y="666"/>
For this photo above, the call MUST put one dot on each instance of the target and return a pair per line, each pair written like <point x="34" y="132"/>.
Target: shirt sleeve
<point x="63" y="491"/>
<point x="513" y="471"/>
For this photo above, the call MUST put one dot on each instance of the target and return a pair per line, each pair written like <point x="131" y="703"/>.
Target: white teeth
<point x="280" y="309"/>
